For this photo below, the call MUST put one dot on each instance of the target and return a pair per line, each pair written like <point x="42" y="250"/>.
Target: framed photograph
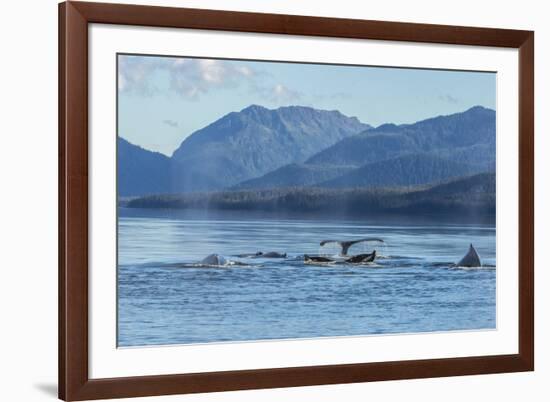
<point x="259" y="200"/>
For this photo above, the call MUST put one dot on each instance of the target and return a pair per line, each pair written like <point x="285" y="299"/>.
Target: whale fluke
<point x="471" y="259"/>
<point x="347" y="244"/>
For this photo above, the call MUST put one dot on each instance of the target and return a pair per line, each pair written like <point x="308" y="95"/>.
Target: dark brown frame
<point x="74" y="383"/>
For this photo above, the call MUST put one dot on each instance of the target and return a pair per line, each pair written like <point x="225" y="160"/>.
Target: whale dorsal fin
<point x="471" y="259"/>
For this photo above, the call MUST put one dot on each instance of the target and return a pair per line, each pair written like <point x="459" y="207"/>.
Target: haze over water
<point x="166" y="298"/>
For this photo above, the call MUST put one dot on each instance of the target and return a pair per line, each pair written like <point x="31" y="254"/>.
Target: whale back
<point x="471" y="259"/>
<point x="273" y="254"/>
<point x="214" y="259"/>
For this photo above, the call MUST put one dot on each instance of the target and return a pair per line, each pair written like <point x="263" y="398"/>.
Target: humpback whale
<point x="362" y="258"/>
<point x="249" y="255"/>
<point x="261" y="254"/>
<point x="317" y="258"/>
<point x="217" y="260"/>
<point x="346" y="244"/>
<point x="214" y="259"/>
<point x="271" y="254"/>
<point x="471" y="259"/>
<point x="356" y="259"/>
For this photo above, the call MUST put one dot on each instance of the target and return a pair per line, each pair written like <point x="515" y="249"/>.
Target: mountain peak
<point x="478" y="108"/>
<point x="386" y="127"/>
<point x="254" y="108"/>
<point x="291" y="108"/>
<point x="298" y="107"/>
<point x="250" y="143"/>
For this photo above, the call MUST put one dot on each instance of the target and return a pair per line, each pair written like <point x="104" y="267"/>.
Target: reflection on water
<point x="166" y="296"/>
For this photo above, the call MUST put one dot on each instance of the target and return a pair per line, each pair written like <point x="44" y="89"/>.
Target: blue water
<point x="166" y="297"/>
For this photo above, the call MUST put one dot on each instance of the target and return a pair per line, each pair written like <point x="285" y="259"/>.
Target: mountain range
<point x="296" y="146"/>
<point x="246" y="144"/>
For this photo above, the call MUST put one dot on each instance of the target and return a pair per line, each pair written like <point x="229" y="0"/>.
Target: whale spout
<point x="471" y="259"/>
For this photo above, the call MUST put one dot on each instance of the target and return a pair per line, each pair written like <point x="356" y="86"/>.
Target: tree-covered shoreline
<point x="473" y="195"/>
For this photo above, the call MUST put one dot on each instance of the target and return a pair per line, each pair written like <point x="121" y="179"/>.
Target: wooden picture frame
<point x="74" y="381"/>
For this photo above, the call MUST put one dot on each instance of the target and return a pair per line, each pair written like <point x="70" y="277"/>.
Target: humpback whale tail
<point x="471" y="259"/>
<point x="346" y="244"/>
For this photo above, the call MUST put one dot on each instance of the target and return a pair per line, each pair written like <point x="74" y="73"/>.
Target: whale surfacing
<point x="471" y="259"/>
<point x="261" y="254"/>
<point x="214" y="259"/>
<point x="355" y="259"/>
<point x="272" y="254"/>
<point x="316" y="258"/>
<point x="362" y="258"/>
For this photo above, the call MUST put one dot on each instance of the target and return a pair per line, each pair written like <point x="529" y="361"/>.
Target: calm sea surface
<point x="167" y="297"/>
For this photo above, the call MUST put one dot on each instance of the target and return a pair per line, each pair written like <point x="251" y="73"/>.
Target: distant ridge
<point x="295" y="174"/>
<point x="475" y="127"/>
<point x="407" y="170"/>
<point x="141" y="171"/>
<point x="439" y="148"/>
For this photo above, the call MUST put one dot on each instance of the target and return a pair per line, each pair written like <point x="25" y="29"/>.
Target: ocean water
<point x="166" y="297"/>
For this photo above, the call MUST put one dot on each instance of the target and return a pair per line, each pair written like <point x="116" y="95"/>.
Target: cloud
<point x="134" y="74"/>
<point x="277" y="93"/>
<point x="281" y="93"/>
<point x="189" y="78"/>
<point x="448" y="98"/>
<point x="171" y="123"/>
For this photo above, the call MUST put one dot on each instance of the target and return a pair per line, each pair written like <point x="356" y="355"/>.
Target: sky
<point x="162" y="100"/>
